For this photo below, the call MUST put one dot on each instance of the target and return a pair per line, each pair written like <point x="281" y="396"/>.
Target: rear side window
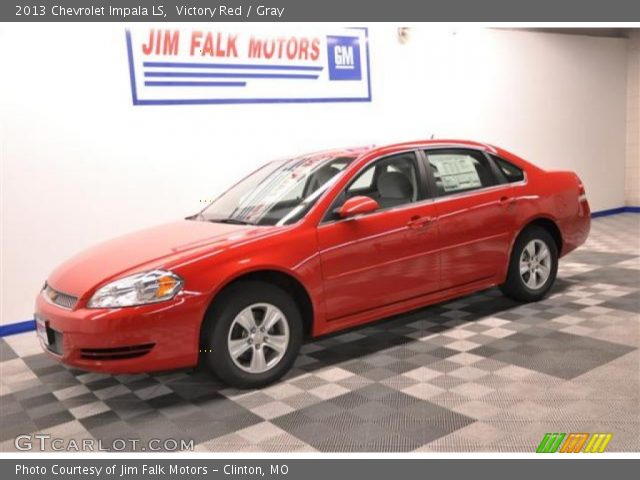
<point x="456" y="171"/>
<point x="509" y="170"/>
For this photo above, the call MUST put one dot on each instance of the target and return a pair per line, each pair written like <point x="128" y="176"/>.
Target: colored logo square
<point x="344" y="58"/>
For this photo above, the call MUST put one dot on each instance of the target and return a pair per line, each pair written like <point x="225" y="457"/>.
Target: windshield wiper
<point x="232" y="221"/>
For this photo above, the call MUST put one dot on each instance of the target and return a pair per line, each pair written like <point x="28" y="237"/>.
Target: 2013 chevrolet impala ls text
<point x="308" y="246"/>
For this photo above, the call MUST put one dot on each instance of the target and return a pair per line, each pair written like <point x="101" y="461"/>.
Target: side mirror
<point x="357" y="206"/>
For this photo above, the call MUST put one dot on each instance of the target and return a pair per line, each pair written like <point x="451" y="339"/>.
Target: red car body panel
<point x="353" y="271"/>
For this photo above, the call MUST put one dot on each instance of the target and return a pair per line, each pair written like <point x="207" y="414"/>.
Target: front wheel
<point x="533" y="266"/>
<point x="252" y="335"/>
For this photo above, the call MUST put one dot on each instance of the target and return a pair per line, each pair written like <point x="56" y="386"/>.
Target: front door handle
<point x="420" y="222"/>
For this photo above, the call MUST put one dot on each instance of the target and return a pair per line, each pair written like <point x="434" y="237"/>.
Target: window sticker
<point x="456" y="172"/>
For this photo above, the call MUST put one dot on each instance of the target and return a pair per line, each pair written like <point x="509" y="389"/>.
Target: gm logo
<point x="344" y="58"/>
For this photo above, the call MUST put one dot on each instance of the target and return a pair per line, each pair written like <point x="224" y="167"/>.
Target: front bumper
<point x="161" y="336"/>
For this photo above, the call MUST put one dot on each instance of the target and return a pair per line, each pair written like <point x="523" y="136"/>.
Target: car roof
<point x="434" y="143"/>
<point x="357" y="152"/>
<point x="361" y="150"/>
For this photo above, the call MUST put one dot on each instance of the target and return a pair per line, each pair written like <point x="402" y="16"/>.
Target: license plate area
<point x="41" y="329"/>
<point x="51" y="339"/>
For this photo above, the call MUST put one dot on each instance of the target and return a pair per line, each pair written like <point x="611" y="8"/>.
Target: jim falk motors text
<point x="198" y="43"/>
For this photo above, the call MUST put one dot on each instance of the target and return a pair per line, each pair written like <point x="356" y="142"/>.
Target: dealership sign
<point x="212" y="65"/>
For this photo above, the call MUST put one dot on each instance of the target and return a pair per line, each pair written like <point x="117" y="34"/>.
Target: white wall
<point x="80" y="164"/>
<point x="632" y="175"/>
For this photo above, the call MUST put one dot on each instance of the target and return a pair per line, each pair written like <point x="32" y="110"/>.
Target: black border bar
<point x="320" y="11"/>
<point x="585" y="468"/>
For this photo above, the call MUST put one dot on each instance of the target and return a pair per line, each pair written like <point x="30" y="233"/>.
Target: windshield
<point x="280" y="193"/>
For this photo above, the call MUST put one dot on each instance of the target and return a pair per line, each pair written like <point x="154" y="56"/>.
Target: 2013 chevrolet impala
<point x="308" y="246"/>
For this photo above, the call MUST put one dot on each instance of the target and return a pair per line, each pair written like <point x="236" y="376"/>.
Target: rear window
<point x="509" y="170"/>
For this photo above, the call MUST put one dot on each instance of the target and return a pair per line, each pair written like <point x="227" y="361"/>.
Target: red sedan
<point x="308" y="246"/>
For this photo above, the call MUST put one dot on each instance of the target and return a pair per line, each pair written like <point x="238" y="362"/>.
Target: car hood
<point x="146" y="249"/>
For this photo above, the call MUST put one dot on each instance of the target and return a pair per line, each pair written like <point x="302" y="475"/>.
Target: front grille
<point x="119" y="353"/>
<point x="58" y="298"/>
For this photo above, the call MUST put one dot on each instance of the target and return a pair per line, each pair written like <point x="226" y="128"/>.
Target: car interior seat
<point x="394" y="188"/>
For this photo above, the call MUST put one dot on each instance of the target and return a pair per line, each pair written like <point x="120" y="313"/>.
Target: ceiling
<point x="592" y="32"/>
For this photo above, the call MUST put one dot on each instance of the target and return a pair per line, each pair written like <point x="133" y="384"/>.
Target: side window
<point x="390" y="181"/>
<point x="363" y="182"/>
<point x="509" y="170"/>
<point x="458" y="171"/>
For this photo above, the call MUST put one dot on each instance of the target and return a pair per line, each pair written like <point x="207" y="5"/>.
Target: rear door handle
<point x="420" y="222"/>
<point x="506" y="201"/>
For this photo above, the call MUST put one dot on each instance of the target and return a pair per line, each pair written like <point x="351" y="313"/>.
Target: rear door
<point x="475" y="210"/>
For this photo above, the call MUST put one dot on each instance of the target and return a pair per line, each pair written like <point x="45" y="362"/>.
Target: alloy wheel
<point x="258" y="338"/>
<point x="535" y="264"/>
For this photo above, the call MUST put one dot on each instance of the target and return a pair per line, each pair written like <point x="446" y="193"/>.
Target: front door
<point x="387" y="256"/>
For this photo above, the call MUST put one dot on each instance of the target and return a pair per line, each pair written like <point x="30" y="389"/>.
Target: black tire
<point x="219" y="320"/>
<point x="515" y="286"/>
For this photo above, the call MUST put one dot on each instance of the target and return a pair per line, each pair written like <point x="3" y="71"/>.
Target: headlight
<point x="142" y="288"/>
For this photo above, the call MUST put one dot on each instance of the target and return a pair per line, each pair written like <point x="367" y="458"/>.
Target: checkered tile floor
<point x="482" y="373"/>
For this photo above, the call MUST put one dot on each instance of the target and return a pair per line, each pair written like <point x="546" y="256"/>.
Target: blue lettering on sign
<point x="343" y="54"/>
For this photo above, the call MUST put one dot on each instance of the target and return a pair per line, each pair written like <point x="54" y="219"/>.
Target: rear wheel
<point x="252" y="335"/>
<point x="533" y="266"/>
